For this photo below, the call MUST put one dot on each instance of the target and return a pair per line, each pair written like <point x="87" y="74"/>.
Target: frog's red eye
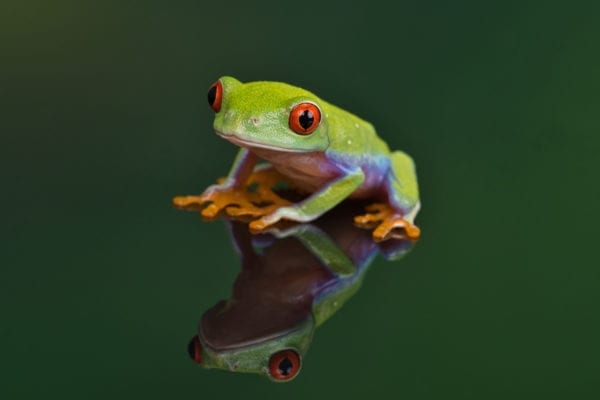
<point x="215" y="95"/>
<point x="305" y="118"/>
<point x="195" y="350"/>
<point x="284" y="365"/>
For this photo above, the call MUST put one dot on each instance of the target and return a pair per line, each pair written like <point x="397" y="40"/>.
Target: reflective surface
<point x="291" y="281"/>
<point x="104" y="119"/>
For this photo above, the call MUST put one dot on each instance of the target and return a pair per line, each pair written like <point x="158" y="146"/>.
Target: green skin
<point x="343" y="157"/>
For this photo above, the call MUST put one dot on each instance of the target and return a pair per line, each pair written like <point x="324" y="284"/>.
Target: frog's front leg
<point x="318" y="203"/>
<point x="234" y="195"/>
<point x="230" y="191"/>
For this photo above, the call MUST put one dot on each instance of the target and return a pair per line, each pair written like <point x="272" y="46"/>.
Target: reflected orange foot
<point x="386" y="223"/>
<point x="248" y="203"/>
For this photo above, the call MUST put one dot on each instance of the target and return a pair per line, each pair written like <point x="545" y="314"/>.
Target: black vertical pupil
<point x="212" y="95"/>
<point x="306" y="120"/>
<point x="285" y="366"/>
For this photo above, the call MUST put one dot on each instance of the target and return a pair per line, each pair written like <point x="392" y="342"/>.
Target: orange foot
<point x="247" y="203"/>
<point x="386" y="222"/>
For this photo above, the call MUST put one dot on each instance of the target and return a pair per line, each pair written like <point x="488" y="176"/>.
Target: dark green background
<point x="104" y="119"/>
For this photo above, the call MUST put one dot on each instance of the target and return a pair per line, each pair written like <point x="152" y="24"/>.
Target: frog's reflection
<point x="291" y="281"/>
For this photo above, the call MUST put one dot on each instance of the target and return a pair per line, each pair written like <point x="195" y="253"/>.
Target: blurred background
<point x="104" y="118"/>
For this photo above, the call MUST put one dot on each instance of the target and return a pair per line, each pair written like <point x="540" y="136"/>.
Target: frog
<point x="292" y="280"/>
<point x="317" y="148"/>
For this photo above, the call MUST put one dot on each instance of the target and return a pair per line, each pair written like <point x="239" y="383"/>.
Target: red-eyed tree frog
<point x="291" y="281"/>
<point x="317" y="148"/>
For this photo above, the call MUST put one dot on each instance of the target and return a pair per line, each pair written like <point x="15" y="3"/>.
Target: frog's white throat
<point x="233" y="138"/>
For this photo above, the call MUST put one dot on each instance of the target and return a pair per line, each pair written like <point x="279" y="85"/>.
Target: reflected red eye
<point x="195" y="350"/>
<point x="305" y="118"/>
<point x="215" y="95"/>
<point x="284" y="365"/>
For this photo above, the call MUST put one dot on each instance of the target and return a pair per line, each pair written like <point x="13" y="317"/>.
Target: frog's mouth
<point x="233" y="138"/>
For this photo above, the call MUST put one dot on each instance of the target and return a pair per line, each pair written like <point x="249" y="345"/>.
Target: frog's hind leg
<point x="395" y="218"/>
<point x="402" y="187"/>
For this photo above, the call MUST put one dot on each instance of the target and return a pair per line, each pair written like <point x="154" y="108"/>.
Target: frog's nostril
<point x="254" y="120"/>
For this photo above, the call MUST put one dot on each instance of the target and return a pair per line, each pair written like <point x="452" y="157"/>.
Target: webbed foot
<point x="386" y="223"/>
<point x="254" y="200"/>
<point x="214" y="201"/>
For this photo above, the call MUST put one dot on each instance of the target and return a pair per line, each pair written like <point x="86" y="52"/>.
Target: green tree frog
<point x="291" y="281"/>
<point x="317" y="148"/>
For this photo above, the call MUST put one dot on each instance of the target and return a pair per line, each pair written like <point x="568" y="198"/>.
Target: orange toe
<point x="386" y="223"/>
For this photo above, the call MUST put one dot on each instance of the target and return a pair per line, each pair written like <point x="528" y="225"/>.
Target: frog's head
<point x="270" y="115"/>
<point x="276" y="356"/>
